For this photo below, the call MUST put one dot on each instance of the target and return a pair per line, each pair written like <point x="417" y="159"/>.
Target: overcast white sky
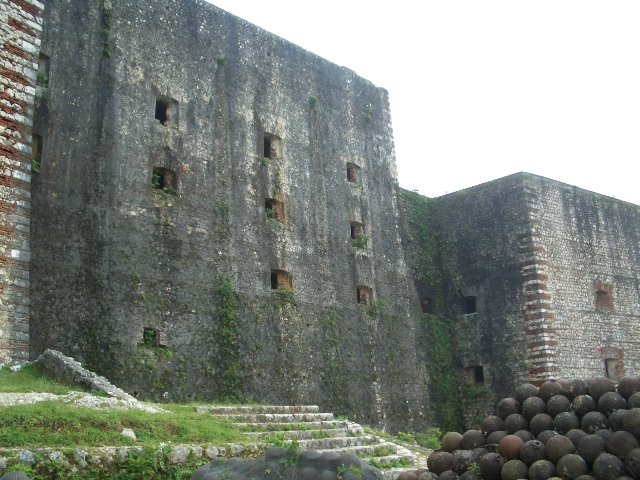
<point x="483" y="89"/>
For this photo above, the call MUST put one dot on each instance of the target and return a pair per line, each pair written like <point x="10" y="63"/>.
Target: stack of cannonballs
<point x="564" y="429"/>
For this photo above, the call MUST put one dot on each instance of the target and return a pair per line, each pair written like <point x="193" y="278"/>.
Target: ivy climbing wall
<point x="20" y="30"/>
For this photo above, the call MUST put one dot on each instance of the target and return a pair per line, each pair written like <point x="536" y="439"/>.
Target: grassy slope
<point x="55" y="424"/>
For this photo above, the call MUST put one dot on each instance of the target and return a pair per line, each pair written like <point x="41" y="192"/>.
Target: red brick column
<point x="20" y="28"/>
<point x="539" y="313"/>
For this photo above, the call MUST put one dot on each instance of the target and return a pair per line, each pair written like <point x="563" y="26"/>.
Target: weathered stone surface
<point x="129" y="278"/>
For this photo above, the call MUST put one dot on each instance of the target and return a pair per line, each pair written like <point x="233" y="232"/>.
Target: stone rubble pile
<point x="579" y="429"/>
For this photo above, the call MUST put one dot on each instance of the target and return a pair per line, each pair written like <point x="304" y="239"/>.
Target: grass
<point x="55" y="424"/>
<point x="31" y="379"/>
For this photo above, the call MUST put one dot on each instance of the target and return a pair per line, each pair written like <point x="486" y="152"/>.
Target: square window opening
<point x="353" y="173"/>
<point x="162" y="111"/>
<point x="165" y="180"/>
<point x="274" y="209"/>
<point x="357" y="230"/>
<point x="474" y="374"/>
<point x="613" y="368"/>
<point x="271" y="146"/>
<point x="151" y="337"/>
<point x="364" y="295"/>
<point x="280" y="279"/>
<point x="470" y="305"/>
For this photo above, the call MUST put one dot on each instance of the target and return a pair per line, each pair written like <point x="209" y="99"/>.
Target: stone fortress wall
<point x="541" y="280"/>
<point x="217" y="216"/>
<point x="20" y="29"/>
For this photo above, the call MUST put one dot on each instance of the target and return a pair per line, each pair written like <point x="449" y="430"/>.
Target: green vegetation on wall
<point x="420" y="217"/>
<point x="443" y="379"/>
<point x="335" y="376"/>
<point x="229" y="379"/>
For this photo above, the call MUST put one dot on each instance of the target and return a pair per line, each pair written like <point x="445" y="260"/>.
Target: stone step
<point x="379" y="450"/>
<point x="337" y="443"/>
<point x="268" y="426"/>
<point x="307" y="434"/>
<point x="259" y="409"/>
<point x="276" y="417"/>
<point x="386" y="460"/>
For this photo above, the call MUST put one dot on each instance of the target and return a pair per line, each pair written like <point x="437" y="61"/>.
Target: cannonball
<point x="558" y="446"/>
<point x="627" y="386"/>
<point x="585" y="477"/>
<point x="470" y="475"/>
<point x="607" y="467"/>
<point x="531" y="451"/>
<point x="427" y="475"/>
<point x="439" y="462"/>
<point x="461" y="460"/>
<point x="533" y="406"/>
<point x="472" y="439"/>
<point x="571" y="466"/>
<point x="600" y="386"/>
<point x="632" y="462"/>
<point x="605" y="433"/>
<point x="616" y="419"/>
<point x="575" y="435"/>
<point x="514" y="469"/>
<point x="582" y="405"/>
<point x="408" y="475"/>
<point x="577" y="387"/>
<point x="634" y="401"/>
<point x="541" y="470"/>
<point x="621" y="442"/>
<point x="515" y="422"/>
<point x="490" y="424"/>
<point x="545" y="435"/>
<point x="594" y="421"/>
<point x="509" y="447"/>
<point x="631" y="421"/>
<point x="565" y="421"/>
<point x="448" y="475"/>
<point x="540" y="422"/>
<point x="610" y="401"/>
<point x="490" y="466"/>
<point x="506" y="407"/>
<point x="451" y="441"/>
<point x="478" y="453"/>
<point x="495" y="437"/>
<point x="557" y="404"/>
<point x="548" y="389"/>
<point x="525" y="435"/>
<point x="524" y="391"/>
<point x="590" y="446"/>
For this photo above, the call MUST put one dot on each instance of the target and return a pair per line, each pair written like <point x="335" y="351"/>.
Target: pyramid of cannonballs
<point x="574" y="429"/>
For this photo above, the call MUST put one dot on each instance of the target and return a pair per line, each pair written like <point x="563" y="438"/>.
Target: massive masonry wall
<point x="591" y="247"/>
<point x="191" y="163"/>
<point x="466" y="249"/>
<point x="538" y="278"/>
<point x="20" y="28"/>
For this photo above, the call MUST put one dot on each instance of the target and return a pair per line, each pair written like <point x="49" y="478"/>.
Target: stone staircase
<point x="313" y="430"/>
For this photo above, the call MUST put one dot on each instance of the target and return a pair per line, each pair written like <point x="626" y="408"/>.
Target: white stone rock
<point x="128" y="433"/>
